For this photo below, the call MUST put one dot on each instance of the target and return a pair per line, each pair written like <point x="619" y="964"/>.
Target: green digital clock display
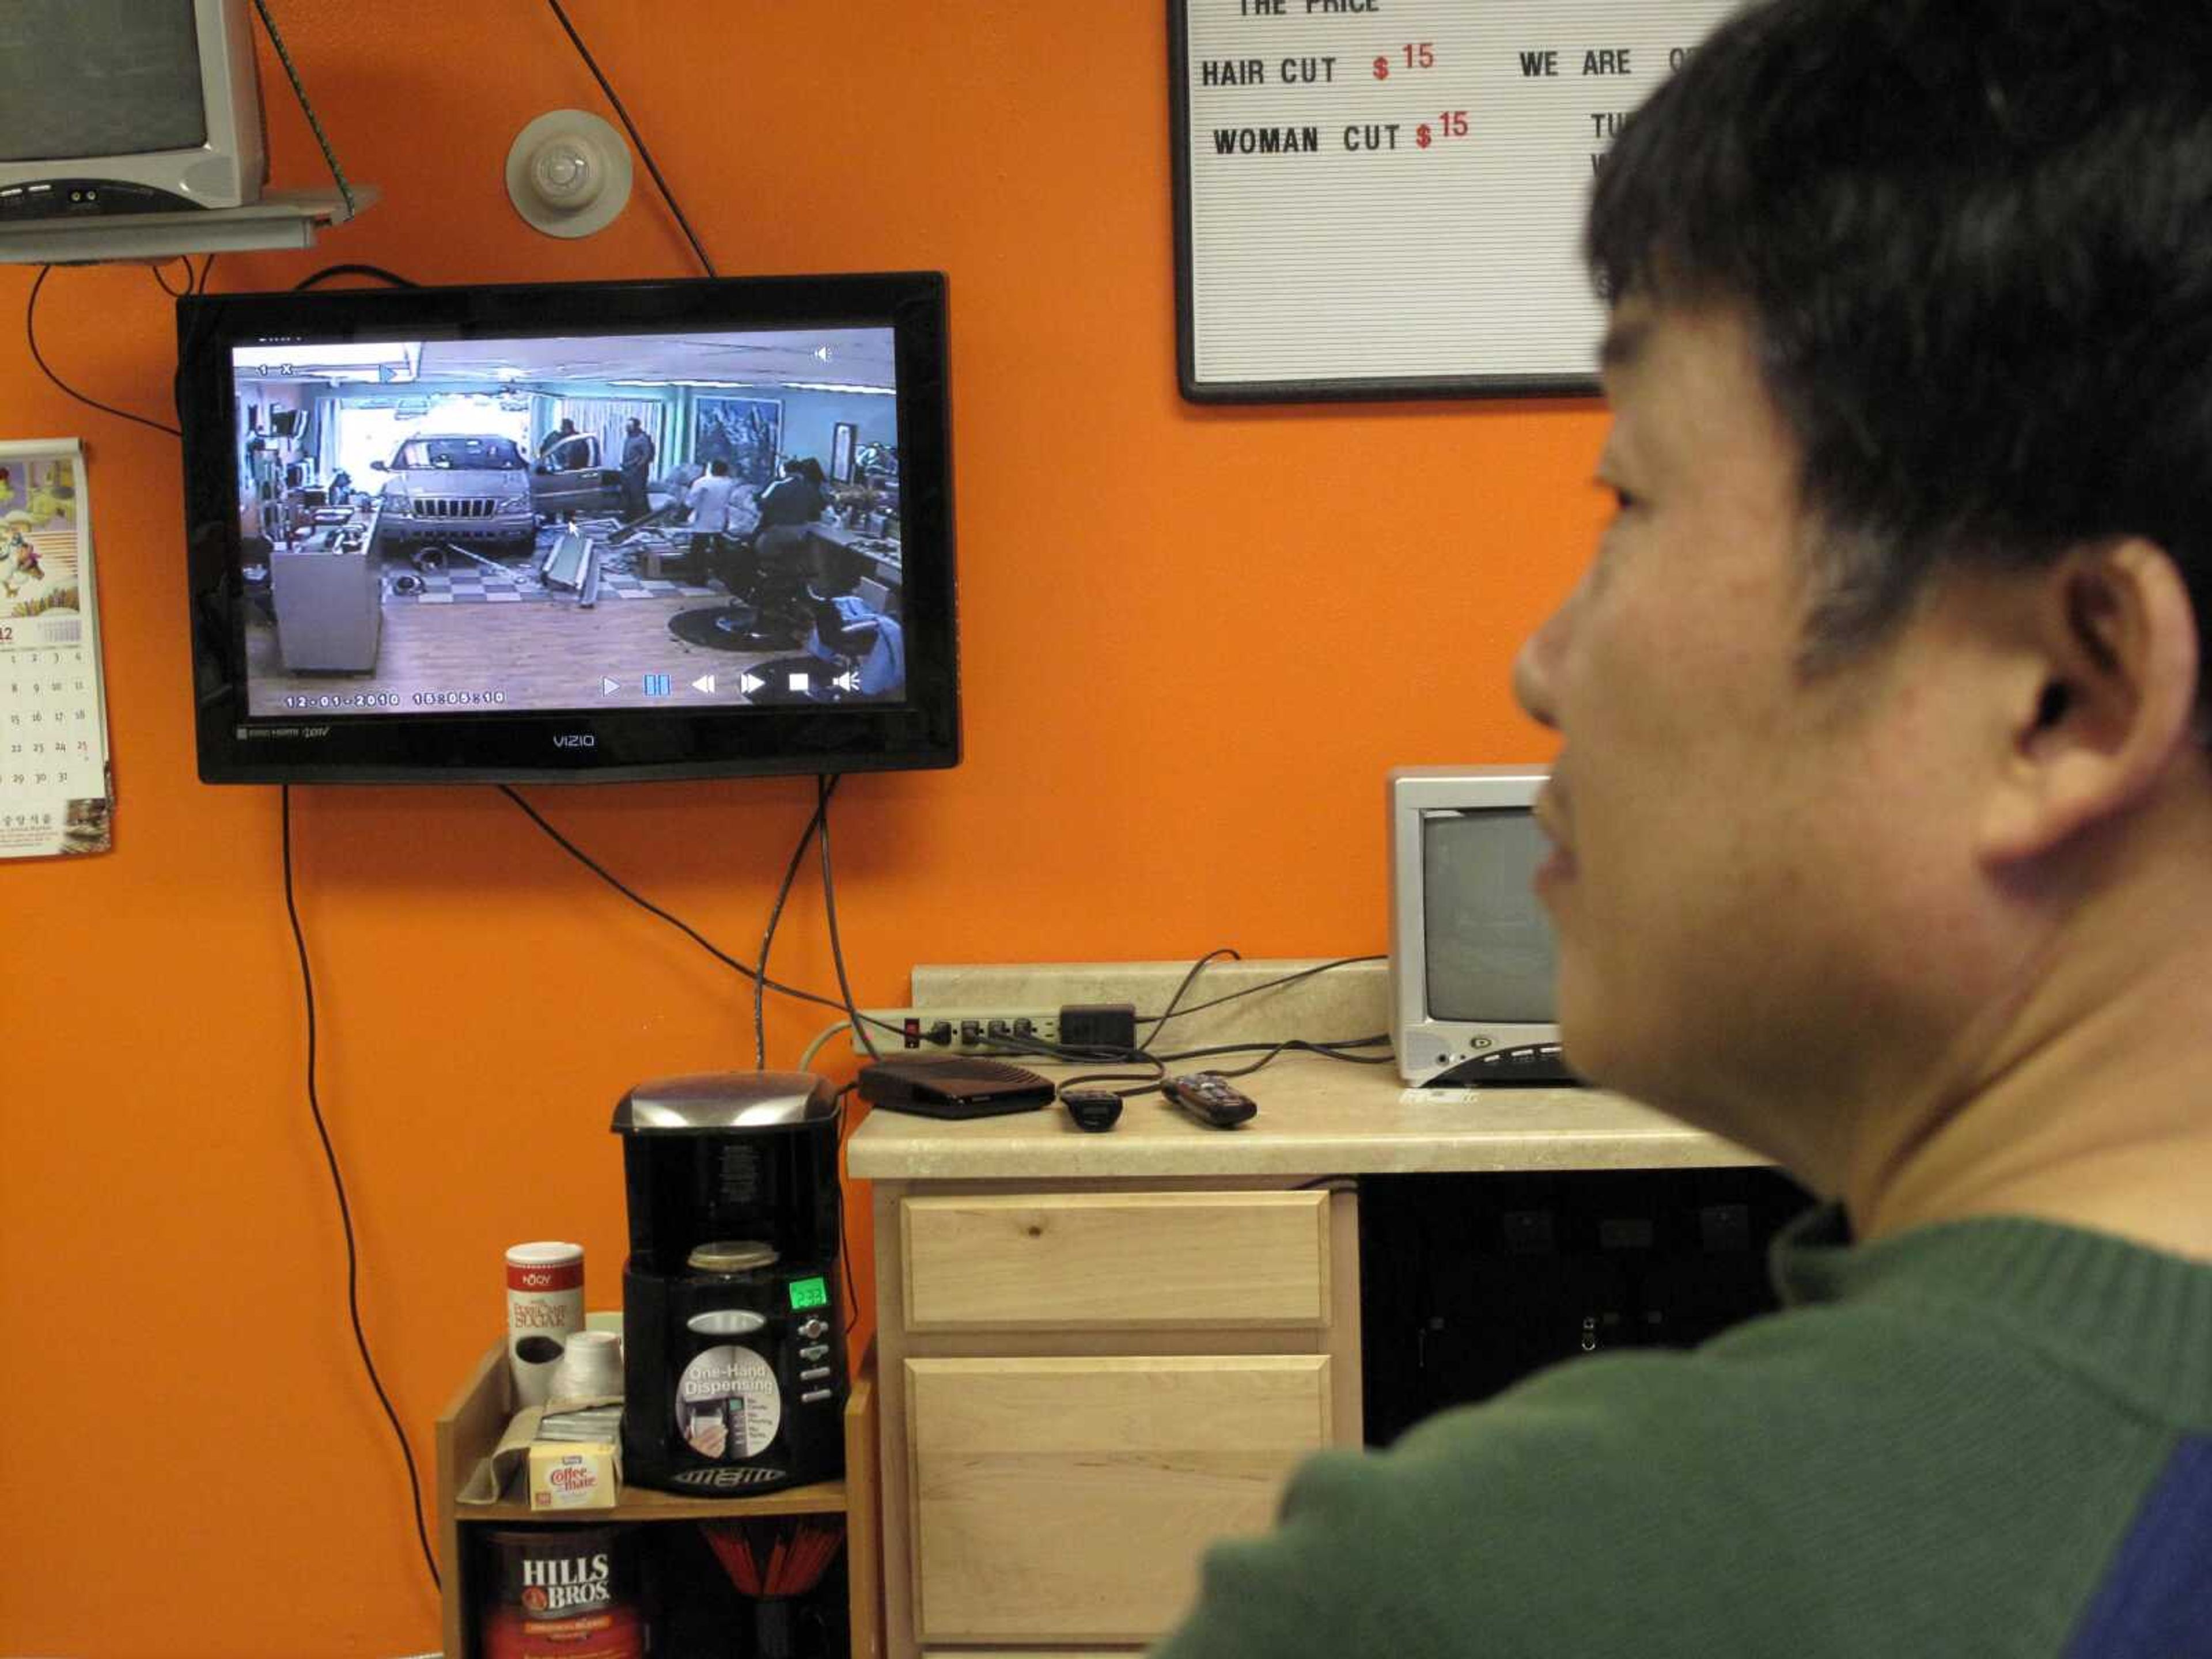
<point x="809" y="1293"/>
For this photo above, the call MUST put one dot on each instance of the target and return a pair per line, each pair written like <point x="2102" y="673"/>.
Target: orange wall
<point x="1192" y="639"/>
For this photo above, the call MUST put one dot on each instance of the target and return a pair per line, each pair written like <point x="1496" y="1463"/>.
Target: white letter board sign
<point x="1384" y="198"/>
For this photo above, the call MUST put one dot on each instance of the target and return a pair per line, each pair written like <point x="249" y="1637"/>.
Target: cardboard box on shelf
<point x="576" y="1474"/>
<point x="568" y="1454"/>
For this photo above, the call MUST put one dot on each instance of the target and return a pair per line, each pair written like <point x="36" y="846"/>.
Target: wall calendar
<point x="56" y="794"/>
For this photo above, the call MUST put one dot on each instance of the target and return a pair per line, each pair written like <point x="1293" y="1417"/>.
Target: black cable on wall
<point x="345" y="1210"/>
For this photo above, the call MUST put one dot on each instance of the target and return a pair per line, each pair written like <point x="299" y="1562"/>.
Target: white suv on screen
<point x="464" y="488"/>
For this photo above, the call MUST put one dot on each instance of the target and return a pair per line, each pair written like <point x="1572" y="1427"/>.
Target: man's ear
<point x="2113" y="700"/>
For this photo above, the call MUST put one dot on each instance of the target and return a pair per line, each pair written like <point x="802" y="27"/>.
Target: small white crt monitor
<point x="1472" y="959"/>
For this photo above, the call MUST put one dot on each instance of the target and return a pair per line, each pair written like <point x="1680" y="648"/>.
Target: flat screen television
<point x="127" y="106"/>
<point x="570" y="531"/>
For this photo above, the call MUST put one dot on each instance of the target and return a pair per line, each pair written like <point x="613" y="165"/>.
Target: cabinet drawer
<point x="1116" y="1260"/>
<point x="1068" y="1501"/>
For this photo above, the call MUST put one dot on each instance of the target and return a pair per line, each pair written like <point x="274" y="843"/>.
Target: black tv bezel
<point x="921" y="732"/>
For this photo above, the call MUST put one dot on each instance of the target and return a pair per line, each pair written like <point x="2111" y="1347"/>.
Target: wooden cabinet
<point x="1095" y="1261"/>
<point x="478" y="1415"/>
<point x="1065" y="1499"/>
<point x="1084" y="1385"/>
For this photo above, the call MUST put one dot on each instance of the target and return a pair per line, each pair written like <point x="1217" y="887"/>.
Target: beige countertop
<point x="1317" y="1117"/>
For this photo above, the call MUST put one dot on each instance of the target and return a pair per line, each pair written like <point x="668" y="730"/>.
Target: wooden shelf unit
<point x="478" y="1414"/>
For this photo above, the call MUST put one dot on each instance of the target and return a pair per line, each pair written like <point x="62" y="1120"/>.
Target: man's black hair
<point x="1973" y="241"/>
<point x="719" y="468"/>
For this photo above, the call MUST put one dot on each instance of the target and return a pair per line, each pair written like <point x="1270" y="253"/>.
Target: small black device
<point x="1470" y="1282"/>
<point x="1095" y="1109"/>
<point x="733" y="1354"/>
<point x="1099" y="1025"/>
<point x="1210" y="1097"/>
<point x="953" y="1085"/>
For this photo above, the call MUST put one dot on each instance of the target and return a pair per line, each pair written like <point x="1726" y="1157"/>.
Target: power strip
<point x="955" y="1030"/>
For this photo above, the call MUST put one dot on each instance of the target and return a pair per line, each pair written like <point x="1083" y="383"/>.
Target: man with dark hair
<point x="637" y="455"/>
<point x="558" y="448"/>
<point x="794" y="499"/>
<point x="1883" y="831"/>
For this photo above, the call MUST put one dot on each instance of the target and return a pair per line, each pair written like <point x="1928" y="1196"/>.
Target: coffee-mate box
<point x="574" y="1474"/>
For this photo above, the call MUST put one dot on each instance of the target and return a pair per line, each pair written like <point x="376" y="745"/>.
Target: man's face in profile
<point x="1738" y="862"/>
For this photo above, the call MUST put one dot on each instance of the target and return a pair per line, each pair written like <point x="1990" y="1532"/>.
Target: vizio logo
<point x="575" y="741"/>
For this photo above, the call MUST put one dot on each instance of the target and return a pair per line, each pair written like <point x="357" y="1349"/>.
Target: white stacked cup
<point x="544" y="1309"/>
<point x="592" y="1369"/>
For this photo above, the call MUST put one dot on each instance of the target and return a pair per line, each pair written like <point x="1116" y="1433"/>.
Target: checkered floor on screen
<point x="477" y="585"/>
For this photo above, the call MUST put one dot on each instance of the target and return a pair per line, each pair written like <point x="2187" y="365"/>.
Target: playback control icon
<point x="662" y="685"/>
<point x="794" y="683"/>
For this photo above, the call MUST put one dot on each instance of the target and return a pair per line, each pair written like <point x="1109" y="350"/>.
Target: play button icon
<point x="607" y="685"/>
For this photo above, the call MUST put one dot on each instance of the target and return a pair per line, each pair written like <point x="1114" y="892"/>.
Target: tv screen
<point x="623" y="530"/>
<point x="1488" y="944"/>
<point x="120" y="106"/>
<point x="99" y="77"/>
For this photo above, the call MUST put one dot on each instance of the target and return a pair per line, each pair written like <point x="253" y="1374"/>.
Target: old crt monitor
<point x="1471" y="950"/>
<point x="127" y="106"/>
<point x="570" y="531"/>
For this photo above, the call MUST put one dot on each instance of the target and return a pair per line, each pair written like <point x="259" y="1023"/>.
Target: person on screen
<point x="709" y="501"/>
<point x="550" y="447"/>
<point x="784" y="510"/>
<point x="637" y="455"/>
<point x="794" y="499"/>
<point x="780" y="544"/>
<point x="1883" y="828"/>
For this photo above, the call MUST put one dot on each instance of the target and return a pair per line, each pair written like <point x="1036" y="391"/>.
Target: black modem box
<point x="951" y="1086"/>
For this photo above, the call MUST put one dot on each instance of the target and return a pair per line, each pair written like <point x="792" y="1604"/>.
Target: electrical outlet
<point x="969" y="1030"/>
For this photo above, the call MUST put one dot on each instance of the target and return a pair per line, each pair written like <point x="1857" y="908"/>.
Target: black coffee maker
<point x="733" y="1354"/>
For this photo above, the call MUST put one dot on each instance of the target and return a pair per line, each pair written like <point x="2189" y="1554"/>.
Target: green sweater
<point x="1975" y="1438"/>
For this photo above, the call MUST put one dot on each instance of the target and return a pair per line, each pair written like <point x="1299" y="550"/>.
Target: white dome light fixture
<point x="568" y="172"/>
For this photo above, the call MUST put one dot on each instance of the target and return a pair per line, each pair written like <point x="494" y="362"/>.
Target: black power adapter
<point x="1098" y="1025"/>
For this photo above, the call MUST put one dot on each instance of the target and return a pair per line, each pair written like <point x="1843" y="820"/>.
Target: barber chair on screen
<point x="787" y="595"/>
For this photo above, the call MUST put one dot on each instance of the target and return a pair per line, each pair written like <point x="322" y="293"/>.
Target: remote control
<point x="1095" y="1109"/>
<point x="1209" y="1097"/>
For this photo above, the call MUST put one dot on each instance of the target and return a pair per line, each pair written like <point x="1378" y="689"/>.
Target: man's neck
<point x="2094" y="1110"/>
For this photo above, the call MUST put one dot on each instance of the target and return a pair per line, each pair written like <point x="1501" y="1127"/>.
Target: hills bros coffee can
<point x="561" y="1593"/>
